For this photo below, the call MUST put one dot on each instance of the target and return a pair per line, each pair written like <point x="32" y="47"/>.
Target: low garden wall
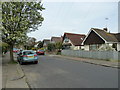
<point x="104" y="55"/>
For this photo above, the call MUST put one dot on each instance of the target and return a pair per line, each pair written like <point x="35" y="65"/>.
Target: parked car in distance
<point x="34" y="51"/>
<point x="40" y="52"/>
<point x="27" y="56"/>
<point x="15" y="50"/>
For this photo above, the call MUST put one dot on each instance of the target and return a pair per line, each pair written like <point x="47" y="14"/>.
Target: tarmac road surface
<point x="56" y="72"/>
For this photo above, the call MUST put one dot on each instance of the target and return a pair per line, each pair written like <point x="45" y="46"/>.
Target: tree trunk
<point x="11" y="54"/>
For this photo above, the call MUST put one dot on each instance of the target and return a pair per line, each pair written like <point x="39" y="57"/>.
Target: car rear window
<point x="28" y="53"/>
<point x="41" y="50"/>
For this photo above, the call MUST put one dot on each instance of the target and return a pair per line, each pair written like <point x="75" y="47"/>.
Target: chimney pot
<point x="105" y="29"/>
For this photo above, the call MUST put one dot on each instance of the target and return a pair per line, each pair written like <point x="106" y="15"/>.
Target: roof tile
<point x="109" y="37"/>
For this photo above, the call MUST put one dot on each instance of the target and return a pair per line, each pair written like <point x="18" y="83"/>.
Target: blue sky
<point x="76" y="17"/>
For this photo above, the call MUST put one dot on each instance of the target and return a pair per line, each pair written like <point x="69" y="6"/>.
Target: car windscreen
<point x="28" y="52"/>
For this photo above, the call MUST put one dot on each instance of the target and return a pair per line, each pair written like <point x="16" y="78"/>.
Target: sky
<point x="76" y="17"/>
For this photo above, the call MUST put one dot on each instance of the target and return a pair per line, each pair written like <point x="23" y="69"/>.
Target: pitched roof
<point x="76" y="39"/>
<point x="46" y="40"/>
<point x="37" y="42"/>
<point x="109" y="37"/>
<point x="106" y="36"/>
<point x="56" y="39"/>
<point x="117" y="35"/>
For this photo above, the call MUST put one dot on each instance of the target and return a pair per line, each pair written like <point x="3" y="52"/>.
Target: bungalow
<point x="73" y="41"/>
<point x="36" y="44"/>
<point x="56" y="39"/>
<point x="102" y="40"/>
<point x="45" y="43"/>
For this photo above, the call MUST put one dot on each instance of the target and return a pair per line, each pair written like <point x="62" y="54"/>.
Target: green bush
<point x="51" y="47"/>
<point x="4" y="47"/>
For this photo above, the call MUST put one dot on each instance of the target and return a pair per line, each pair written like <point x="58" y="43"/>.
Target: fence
<point x="105" y="55"/>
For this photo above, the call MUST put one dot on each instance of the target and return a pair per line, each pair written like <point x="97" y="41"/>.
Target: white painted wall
<point x="82" y="47"/>
<point x="36" y="45"/>
<point x="75" y="47"/>
<point x="105" y="55"/>
<point x="86" y="47"/>
<point x="118" y="47"/>
<point x="110" y="44"/>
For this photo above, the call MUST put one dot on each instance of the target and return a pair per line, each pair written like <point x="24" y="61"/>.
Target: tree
<point x="3" y="47"/>
<point x="19" y="18"/>
<point x="30" y="42"/>
<point x="58" y="45"/>
<point x="51" y="47"/>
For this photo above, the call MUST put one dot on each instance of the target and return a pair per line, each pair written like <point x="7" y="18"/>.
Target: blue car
<point x="27" y="56"/>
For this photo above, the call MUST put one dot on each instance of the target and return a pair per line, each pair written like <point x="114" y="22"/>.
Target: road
<point x="56" y="72"/>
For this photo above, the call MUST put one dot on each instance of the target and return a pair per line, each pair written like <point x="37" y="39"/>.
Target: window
<point x="66" y="39"/>
<point x="93" y="47"/>
<point x="114" y="46"/>
<point x="28" y="52"/>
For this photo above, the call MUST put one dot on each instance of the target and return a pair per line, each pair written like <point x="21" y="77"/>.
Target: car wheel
<point x="21" y="63"/>
<point x="36" y="62"/>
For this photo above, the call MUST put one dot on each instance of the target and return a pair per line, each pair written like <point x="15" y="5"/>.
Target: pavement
<point x="113" y="64"/>
<point x="12" y="74"/>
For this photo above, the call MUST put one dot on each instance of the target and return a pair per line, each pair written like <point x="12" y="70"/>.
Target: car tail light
<point x="25" y="56"/>
<point x="35" y="55"/>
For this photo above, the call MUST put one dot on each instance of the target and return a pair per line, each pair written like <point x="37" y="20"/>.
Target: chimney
<point x="105" y="29"/>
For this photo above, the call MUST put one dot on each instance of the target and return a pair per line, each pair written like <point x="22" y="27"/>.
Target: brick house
<point x="45" y="43"/>
<point x="56" y="39"/>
